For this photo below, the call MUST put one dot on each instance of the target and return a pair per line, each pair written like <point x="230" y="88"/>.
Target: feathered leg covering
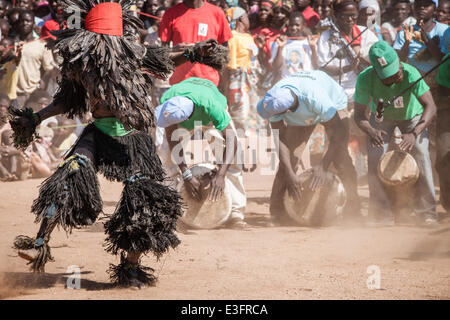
<point x="144" y="221"/>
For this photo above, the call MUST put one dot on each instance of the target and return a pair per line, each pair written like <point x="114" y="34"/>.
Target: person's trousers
<point x="296" y="138"/>
<point x="234" y="172"/>
<point x="424" y="198"/>
<point x="443" y="150"/>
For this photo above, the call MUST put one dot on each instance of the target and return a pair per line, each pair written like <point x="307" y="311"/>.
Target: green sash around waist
<point x="111" y="126"/>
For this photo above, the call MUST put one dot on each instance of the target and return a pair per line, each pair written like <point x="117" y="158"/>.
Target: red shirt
<point x="183" y="24"/>
<point x="311" y="17"/>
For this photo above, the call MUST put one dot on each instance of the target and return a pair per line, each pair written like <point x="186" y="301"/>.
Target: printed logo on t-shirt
<point x="398" y="103"/>
<point x="202" y="29"/>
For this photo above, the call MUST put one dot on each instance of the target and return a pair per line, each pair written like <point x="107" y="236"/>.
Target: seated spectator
<point x="293" y="51"/>
<point x="311" y="17"/>
<point x="240" y="77"/>
<point x="15" y="164"/>
<point x="401" y="14"/>
<point x="64" y="137"/>
<point x="43" y="162"/>
<point x="420" y="44"/>
<point x="443" y="12"/>
<point x="38" y="100"/>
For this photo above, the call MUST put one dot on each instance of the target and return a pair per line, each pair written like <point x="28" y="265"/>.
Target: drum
<point x="320" y="207"/>
<point x="205" y="214"/>
<point x="398" y="171"/>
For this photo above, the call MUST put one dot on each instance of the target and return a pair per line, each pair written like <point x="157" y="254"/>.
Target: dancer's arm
<point x="51" y="110"/>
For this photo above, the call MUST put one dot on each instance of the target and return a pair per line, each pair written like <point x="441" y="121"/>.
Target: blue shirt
<point x="319" y="98"/>
<point x="421" y="60"/>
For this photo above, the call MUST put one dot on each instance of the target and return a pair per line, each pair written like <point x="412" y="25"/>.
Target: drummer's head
<point x="386" y="63"/>
<point x="175" y="110"/>
<point x="277" y="101"/>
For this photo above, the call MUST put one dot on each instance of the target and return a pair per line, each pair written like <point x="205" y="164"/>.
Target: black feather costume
<point x="114" y="69"/>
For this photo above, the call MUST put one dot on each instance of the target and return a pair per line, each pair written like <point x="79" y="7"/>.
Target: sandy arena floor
<point x="261" y="263"/>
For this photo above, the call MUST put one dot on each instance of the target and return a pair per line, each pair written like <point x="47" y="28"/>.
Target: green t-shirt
<point x="443" y="77"/>
<point x="369" y="89"/>
<point x="210" y="106"/>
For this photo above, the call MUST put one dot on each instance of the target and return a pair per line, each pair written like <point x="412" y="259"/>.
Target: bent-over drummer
<point x="412" y="113"/>
<point x="197" y="100"/>
<point x="294" y="106"/>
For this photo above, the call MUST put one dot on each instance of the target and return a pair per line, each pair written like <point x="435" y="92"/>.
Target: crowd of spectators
<point x="267" y="41"/>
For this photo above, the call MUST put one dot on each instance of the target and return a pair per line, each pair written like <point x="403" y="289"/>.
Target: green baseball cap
<point x="384" y="59"/>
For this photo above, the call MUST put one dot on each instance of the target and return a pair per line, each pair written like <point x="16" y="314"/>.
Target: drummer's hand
<point x="408" y="142"/>
<point x="293" y="187"/>
<point x="217" y="186"/>
<point x="376" y="137"/>
<point x="318" y="178"/>
<point x="193" y="187"/>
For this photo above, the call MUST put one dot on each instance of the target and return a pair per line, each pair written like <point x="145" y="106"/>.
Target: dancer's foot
<point x="128" y="274"/>
<point x="29" y="254"/>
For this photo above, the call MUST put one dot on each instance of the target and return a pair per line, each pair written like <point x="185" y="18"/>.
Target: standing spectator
<point x="8" y="72"/>
<point x="281" y="15"/>
<point x="152" y="38"/>
<point x="189" y="22"/>
<point x="369" y="16"/>
<point x="159" y="85"/>
<point x="312" y="17"/>
<point x="4" y="28"/>
<point x="13" y="18"/>
<point x="443" y="12"/>
<point x="240" y="77"/>
<point x="42" y="13"/>
<point x="292" y="54"/>
<point x="325" y="10"/>
<point x="264" y="33"/>
<point x="25" y="4"/>
<point x="150" y="7"/>
<point x="4" y="7"/>
<point x="34" y="56"/>
<point x="420" y="45"/>
<point x="401" y="14"/>
<point x="342" y="33"/>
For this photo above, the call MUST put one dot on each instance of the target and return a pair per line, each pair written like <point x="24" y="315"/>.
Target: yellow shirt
<point x="8" y="82"/>
<point x="240" y="50"/>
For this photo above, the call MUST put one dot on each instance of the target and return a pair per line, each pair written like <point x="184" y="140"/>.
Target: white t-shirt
<point x="296" y="56"/>
<point x="327" y="49"/>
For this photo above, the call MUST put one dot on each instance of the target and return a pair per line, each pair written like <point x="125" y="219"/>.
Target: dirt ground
<point x="260" y="263"/>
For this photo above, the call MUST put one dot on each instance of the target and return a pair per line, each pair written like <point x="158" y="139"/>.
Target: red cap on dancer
<point x="105" y="18"/>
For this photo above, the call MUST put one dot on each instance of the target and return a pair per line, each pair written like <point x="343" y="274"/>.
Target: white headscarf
<point x="374" y="5"/>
